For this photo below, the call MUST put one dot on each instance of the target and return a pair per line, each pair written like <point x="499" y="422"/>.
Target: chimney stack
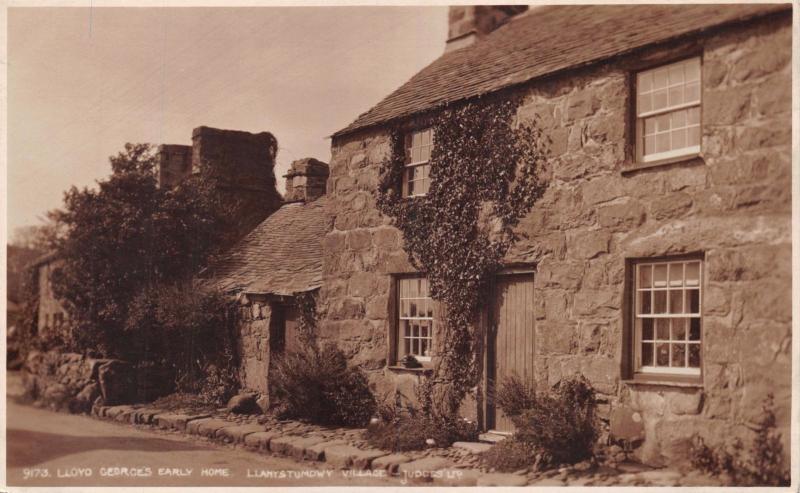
<point x="174" y="164"/>
<point x="306" y="180"/>
<point x="469" y="23"/>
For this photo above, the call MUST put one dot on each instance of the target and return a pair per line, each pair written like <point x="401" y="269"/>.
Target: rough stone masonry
<point x="732" y="205"/>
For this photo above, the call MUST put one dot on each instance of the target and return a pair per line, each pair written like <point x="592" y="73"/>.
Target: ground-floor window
<point x="667" y="316"/>
<point x="415" y="318"/>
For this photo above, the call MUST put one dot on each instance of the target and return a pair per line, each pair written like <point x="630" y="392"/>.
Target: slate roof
<point x="282" y="255"/>
<point x="546" y="40"/>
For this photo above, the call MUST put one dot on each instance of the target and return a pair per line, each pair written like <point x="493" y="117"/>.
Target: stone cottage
<point x="52" y="319"/>
<point x="658" y="261"/>
<point x="276" y="262"/>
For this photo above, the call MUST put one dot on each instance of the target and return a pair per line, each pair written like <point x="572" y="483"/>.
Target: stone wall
<point x="732" y="205"/>
<point x="267" y="328"/>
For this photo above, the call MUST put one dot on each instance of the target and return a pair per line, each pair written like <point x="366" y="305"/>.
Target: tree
<point x="125" y="237"/>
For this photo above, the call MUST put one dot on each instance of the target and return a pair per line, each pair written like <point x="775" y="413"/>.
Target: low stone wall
<point x="74" y="383"/>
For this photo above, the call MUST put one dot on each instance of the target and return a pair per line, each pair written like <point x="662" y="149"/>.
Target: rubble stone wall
<point x="732" y="205"/>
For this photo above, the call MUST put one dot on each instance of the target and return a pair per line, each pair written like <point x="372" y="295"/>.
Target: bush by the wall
<point x="560" y="424"/>
<point x="190" y="331"/>
<point x="509" y="455"/>
<point x="408" y="428"/>
<point x="761" y="465"/>
<point x="317" y="385"/>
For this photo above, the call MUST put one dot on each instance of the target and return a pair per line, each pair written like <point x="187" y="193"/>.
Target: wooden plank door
<point x="511" y="340"/>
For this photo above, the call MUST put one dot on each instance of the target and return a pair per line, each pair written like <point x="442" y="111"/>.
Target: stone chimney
<point x="469" y="23"/>
<point x="306" y="180"/>
<point x="174" y="164"/>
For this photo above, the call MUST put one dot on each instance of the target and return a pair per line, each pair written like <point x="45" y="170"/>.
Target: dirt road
<point x="57" y="449"/>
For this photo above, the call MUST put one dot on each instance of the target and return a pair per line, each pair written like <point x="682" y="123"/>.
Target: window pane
<point x="676" y="74"/>
<point x="645" y="82"/>
<point x="678" y="119"/>
<point x="662" y="354"/>
<point x="679" y="355"/>
<point x="660" y="99"/>
<point x="693" y="116"/>
<point x="678" y="329"/>
<point x="647" y="329"/>
<point x="650" y="144"/>
<point x="693" y="274"/>
<point x="645" y="276"/>
<point x="415" y="346"/>
<point x="679" y="138"/>
<point x="649" y="126"/>
<point x="675" y="301"/>
<point x="423" y="350"/>
<point x="694" y="329"/>
<point x="692" y="69"/>
<point x="412" y="312"/>
<point x="660" y="79"/>
<point x="660" y="301"/>
<point x="662" y="142"/>
<point x="404" y="308"/>
<point x="676" y="274"/>
<point x="693" y="136"/>
<point x="407" y="346"/>
<point x="645" y="103"/>
<point x="662" y="123"/>
<point x="694" y="355"/>
<point x="660" y="275"/>
<point x="692" y="92"/>
<point x="644" y="305"/>
<point x="662" y="329"/>
<point x="693" y="301"/>
<point x="647" y="354"/>
<point x="675" y="95"/>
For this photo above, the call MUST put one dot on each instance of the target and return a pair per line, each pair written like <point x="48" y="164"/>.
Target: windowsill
<point x="665" y="380"/>
<point x="403" y="369"/>
<point x="694" y="159"/>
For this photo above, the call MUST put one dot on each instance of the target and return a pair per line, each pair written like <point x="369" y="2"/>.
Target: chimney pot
<point x="306" y="180"/>
<point x="468" y="23"/>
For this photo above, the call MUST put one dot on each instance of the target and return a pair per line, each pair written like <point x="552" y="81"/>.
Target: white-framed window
<point x="415" y="321"/>
<point x="668" y="317"/>
<point x="668" y="111"/>
<point x="416" y="175"/>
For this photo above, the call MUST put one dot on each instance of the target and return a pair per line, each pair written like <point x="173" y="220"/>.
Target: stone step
<point x="260" y="440"/>
<point x="473" y="447"/>
<point x="424" y="470"/>
<point x="349" y="457"/>
<point x="492" y="437"/>
<point x="237" y="433"/>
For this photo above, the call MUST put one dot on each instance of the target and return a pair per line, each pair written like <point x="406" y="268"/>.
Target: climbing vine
<point x="485" y="176"/>
<point x="306" y="303"/>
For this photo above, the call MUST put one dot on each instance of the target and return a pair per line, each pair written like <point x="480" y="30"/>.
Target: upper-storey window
<point x="416" y="179"/>
<point x="668" y="317"/>
<point x="668" y="111"/>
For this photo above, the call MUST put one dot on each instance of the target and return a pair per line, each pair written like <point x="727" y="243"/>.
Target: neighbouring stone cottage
<point x="658" y="261"/>
<point x="276" y="262"/>
<point x="52" y="319"/>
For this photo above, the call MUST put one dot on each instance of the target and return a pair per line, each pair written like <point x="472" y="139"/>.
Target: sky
<point x="82" y="82"/>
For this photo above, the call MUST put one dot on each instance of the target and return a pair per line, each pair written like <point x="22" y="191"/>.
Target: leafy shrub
<point x="560" y="425"/>
<point x="317" y="385"/>
<point x="509" y="455"/>
<point x="189" y="331"/>
<point x="762" y="465"/>
<point x="514" y="396"/>
<point x="409" y="428"/>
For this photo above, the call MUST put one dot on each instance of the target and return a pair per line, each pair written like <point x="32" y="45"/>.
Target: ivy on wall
<point x="485" y="176"/>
